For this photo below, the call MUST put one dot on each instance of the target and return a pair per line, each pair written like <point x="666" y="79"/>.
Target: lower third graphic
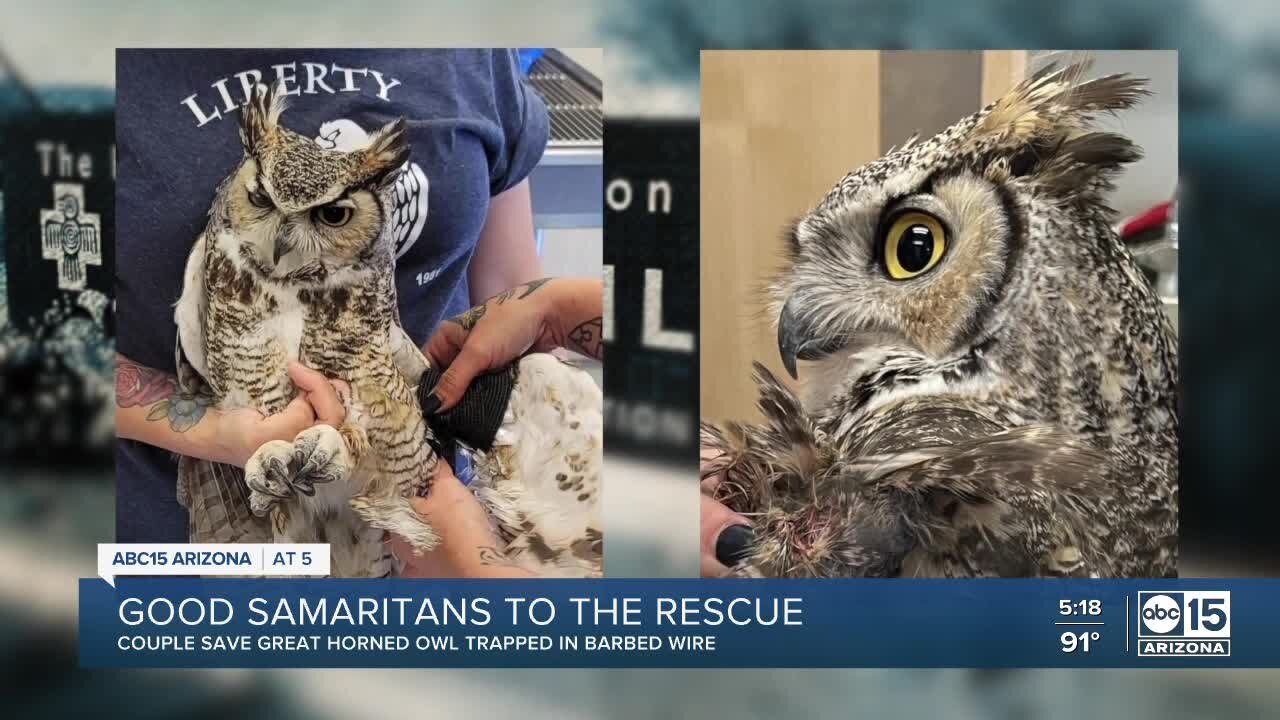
<point x="1190" y="623"/>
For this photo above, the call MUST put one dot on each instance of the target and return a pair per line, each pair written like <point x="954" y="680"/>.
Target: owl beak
<point x="282" y="246"/>
<point x="798" y="339"/>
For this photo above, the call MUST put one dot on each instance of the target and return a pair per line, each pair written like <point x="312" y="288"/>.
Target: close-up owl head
<point x="990" y="385"/>
<point x="291" y="203"/>
<point x="932" y="246"/>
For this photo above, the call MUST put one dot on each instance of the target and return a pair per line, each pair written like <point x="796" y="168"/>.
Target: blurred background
<point x="54" y="510"/>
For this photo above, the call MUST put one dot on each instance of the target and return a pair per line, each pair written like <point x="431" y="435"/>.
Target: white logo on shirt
<point x="410" y="212"/>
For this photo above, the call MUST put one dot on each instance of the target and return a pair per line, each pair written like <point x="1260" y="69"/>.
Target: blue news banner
<point x="222" y="622"/>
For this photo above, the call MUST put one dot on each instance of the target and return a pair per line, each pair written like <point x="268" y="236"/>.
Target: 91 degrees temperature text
<point x="1079" y="612"/>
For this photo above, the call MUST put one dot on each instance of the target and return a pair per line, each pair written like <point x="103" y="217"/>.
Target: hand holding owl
<point x="534" y="317"/>
<point x="238" y="433"/>
<point x="726" y="536"/>
<point x="469" y="547"/>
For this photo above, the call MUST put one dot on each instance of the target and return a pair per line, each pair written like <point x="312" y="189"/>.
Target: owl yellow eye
<point x="914" y="244"/>
<point x="333" y="215"/>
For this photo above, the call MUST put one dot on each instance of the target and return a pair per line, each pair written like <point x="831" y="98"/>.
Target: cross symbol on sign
<point x="70" y="235"/>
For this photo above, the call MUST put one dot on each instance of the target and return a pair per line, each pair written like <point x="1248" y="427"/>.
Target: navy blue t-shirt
<point x="476" y="129"/>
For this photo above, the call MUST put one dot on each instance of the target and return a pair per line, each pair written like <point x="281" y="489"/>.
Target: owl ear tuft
<point x="388" y="150"/>
<point x="1043" y="129"/>
<point x="1089" y="158"/>
<point x="260" y="117"/>
<point x="1054" y="104"/>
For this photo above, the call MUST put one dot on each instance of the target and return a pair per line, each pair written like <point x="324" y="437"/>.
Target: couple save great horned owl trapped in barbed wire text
<point x="991" y="387"/>
<point x="297" y="263"/>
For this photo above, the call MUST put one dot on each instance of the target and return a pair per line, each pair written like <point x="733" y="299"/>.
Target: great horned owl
<point x="297" y="263"/>
<point x="993" y="381"/>
<point x="294" y="265"/>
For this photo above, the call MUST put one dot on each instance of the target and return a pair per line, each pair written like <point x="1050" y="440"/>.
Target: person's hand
<point x="239" y="433"/>
<point x="468" y="547"/>
<point x="537" y="316"/>
<point x="489" y="336"/>
<point x="726" y="536"/>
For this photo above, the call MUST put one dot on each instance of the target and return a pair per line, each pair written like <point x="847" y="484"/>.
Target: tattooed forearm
<point x="525" y="291"/>
<point x="183" y="410"/>
<point x="588" y="338"/>
<point x="533" y="285"/>
<point x="139" y="386"/>
<point x="469" y="318"/>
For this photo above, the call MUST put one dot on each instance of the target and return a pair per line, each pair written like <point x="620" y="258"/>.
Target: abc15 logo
<point x="1184" y="614"/>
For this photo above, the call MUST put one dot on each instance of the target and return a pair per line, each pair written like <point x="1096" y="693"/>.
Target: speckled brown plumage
<point x="294" y="264"/>
<point x="1012" y="410"/>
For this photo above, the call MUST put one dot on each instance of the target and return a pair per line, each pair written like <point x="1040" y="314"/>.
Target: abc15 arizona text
<point x="1187" y="623"/>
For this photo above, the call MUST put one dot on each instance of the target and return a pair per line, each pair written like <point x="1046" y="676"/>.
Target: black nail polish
<point x="734" y="544"/>
<point x="430" y="404"/>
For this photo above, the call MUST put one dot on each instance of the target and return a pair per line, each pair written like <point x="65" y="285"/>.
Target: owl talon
<point x="321" y="456"/>
<point x="309" y="470"/>
<point x="299" y="461"/>
<point x="267" y="476"/>
<point x="277" y="475"/>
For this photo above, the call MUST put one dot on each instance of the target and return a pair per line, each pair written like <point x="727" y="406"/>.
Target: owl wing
<point x="927" y="486"/>
<point x="981" y="499"/>
<point x="541" y="480"/>
<point x="406" y="355"/>
<point x="189" y="313"/>
<point x="214" y="494"/>
<point x="217" y="503"/>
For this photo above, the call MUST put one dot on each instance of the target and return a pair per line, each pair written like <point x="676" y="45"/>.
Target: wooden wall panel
<point x="779" y="128"/>
<point x="1001" y="70"/>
